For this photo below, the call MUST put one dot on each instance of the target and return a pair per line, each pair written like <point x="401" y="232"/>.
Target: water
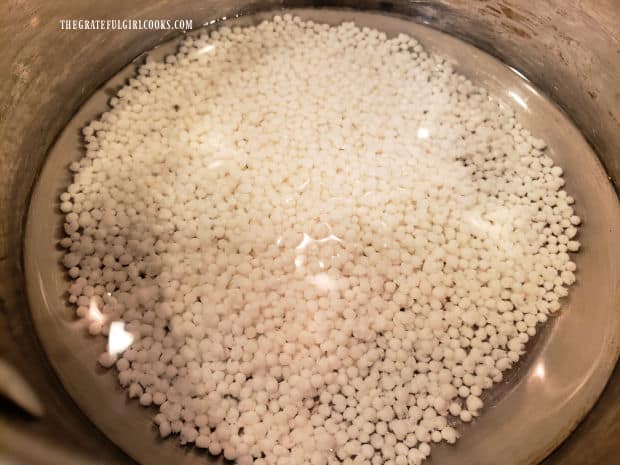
<point x="519" y="404"/>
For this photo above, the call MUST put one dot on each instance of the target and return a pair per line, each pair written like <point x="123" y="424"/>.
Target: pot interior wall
<point x="569" y="49"/>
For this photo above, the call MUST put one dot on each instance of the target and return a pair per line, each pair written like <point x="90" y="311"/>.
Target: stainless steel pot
<point x="568" y="49"/>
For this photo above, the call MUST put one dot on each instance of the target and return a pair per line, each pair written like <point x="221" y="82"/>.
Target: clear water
<point x="73" y="353"/>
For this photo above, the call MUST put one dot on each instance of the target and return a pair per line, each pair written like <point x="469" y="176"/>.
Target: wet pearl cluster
<point x="322" y="243"/>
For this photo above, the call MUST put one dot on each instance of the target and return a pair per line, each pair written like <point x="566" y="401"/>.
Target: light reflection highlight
<point x="304" y="242"/>
<point x="307" y="240"/>
<point x="118" y="339"/>
<point x="519" y="73"/>
<point x="539" y="371"/>
<point x="517" y="98"/>
<point x="423" y="133"/>
<point x="331" y="237"/>
<point x="206" y="49"/>
<point x="324" y="282"/>
<point x="94" y="314"/>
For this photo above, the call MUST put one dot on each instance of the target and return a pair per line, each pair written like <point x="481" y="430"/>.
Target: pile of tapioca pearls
<point x="320" y="244"/>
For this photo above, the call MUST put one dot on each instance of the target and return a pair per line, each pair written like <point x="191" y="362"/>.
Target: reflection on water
<point x="94" y="314"/>
<point x="307" y="240"/>
<point x="517" y="98"/>
<point x="119" y="339"/>
<point x="324" y="282"/>
<point x="423" y="133"/>
<point x="206" y="49"/>
<point x="304" y="243"/>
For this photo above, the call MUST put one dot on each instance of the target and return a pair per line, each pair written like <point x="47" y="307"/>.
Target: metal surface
<point x="14" y="388"/>
<point x="568" y="48"/>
